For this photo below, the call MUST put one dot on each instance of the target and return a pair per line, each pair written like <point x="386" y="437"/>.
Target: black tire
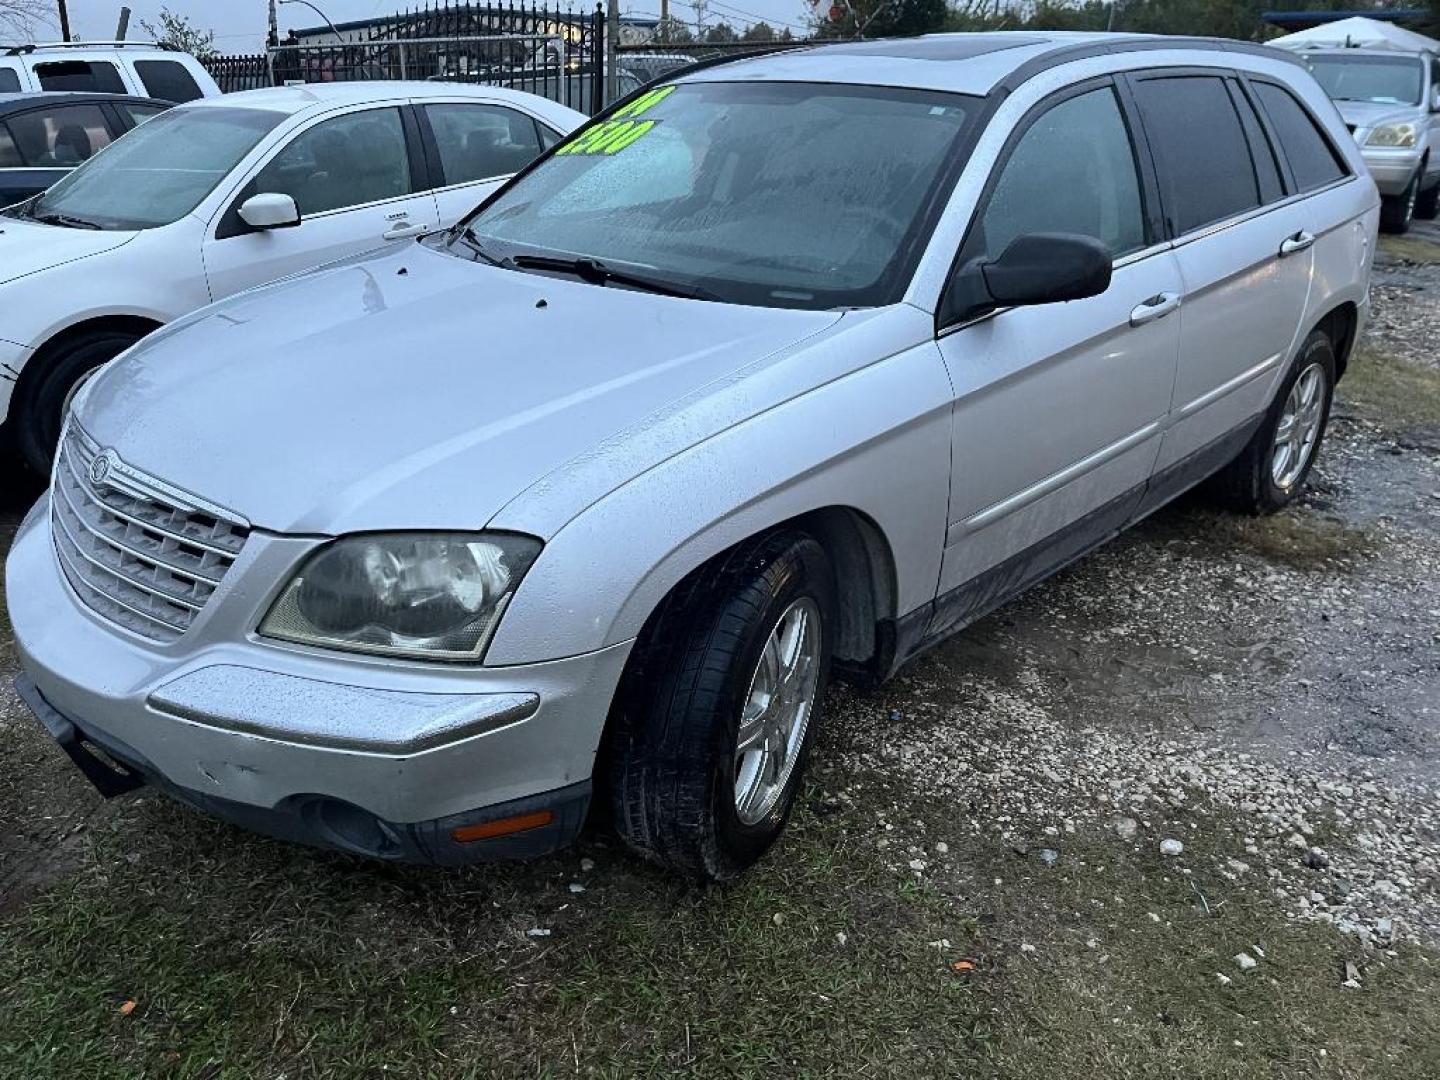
<point x="1397" y="211"/>
<point x="1248" y="483"/>
<point x="38" y="406"/>
<point x="672" y="749"/>
<point x="1427" y="203"/>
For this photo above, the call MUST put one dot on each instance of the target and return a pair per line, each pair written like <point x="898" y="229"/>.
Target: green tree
<point x="178" y="33"/>
<point x="760" y="31"/>
<point x="722" y="33"/>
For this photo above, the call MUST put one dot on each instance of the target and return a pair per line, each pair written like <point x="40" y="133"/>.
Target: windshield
<point x="778" y="194"/>
<point x="157" y="173"/>
<point x="1387" y="80"/>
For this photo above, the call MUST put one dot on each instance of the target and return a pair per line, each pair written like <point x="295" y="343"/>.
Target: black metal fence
<point x="559" y="54"/>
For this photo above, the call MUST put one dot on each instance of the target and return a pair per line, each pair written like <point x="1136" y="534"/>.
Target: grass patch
<point x="1299" y="537"/>
<point x="1410" y="249"/>
<point x="248" y="958"/>
<point x="1392" y="393"/>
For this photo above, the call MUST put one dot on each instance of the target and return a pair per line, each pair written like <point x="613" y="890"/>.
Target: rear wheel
<point x="719" y="708"/>
<point x="1427" y="203"/>
<point x="1273" y="467"/>
<point x="1397" y="211"/>
<point x="41" y="403"/>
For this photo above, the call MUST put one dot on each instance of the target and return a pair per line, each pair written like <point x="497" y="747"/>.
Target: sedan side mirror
<point x="1038" y="268"/>
<point x="270" y="210"/>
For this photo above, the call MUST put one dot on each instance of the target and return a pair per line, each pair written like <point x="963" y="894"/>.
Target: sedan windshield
<point x="1387" y="80"/>
<point x="778" y="194"/>
<point x="157" y="173"/>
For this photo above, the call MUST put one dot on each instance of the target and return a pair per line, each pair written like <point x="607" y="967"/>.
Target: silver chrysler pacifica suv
<point x="786" y="365"/>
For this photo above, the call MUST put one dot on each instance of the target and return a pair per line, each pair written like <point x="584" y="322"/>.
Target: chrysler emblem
<point x="100" y="468"/>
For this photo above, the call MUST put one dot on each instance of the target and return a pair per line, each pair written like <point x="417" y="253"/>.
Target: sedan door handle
<point x="1299" y="242"/>
<point x="1157" y="307"/>
<point x="400" y="232"/>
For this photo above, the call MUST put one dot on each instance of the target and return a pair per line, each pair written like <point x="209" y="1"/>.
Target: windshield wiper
<point x="598" y="273"/>
<point x="69" y="221"/>
<point x="473" y="243"/>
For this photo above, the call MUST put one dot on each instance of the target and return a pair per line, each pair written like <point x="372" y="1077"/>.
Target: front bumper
<point x="264" y="734"/>
<point x="1392" y="169"/>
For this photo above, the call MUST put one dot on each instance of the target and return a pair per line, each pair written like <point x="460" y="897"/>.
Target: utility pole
<point x="123" y="27"/>
<point x="664" y="20"/>
<point x="272" y="37"/>
<point x="64" y="21"/>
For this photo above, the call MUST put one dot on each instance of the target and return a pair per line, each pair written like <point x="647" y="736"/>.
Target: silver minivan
<point x="790" y="365"/>
<point x="1390" y="101"/>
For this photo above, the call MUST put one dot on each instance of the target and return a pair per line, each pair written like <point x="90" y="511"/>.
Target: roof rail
<point x="35" y="46"/>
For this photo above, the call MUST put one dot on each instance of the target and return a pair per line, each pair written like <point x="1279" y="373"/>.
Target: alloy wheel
<point x="777" y="711"/>
<point x="1298" y="432"/>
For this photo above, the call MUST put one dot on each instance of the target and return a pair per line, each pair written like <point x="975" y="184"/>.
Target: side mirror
<point x="1039" y="268"/>
<point x="270" y="211"/>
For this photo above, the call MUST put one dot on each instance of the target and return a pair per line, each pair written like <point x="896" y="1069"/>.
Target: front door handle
<point x="1299" y="242"/>
<point x="400" y="232"/>
<point x="1157" y="307"/>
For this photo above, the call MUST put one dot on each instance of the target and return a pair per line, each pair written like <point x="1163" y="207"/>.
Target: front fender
<point x="876" y="439"/>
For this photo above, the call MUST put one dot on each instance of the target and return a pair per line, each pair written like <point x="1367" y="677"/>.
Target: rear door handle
<point x="1157" y="307"/>
<point x="400" y="232"/>
<point x="1299" y="242"/>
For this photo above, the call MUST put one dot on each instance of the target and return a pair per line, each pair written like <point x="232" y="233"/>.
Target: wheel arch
<point x="1340" y="324"/>
<point x="866" y="588"/>
<point x="139" y="325"/>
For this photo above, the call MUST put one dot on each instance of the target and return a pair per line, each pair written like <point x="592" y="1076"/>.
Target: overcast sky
<point x="239" y="25"/>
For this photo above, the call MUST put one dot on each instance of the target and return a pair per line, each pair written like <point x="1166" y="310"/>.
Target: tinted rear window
<point x="98" y="77"/>
<point x="1308" y="151"/>
<point x="1206" y="173"/>
<point x="168" y="80"/>
<point x="9" y="80"/>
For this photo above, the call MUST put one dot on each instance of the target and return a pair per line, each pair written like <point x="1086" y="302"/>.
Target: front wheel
<point x="720" y="705"/>
<point x="39" y="408"/>
<point x="1272" y="469"/>
<point x="1397" y="211"/>
<point x="1427" y="203"/>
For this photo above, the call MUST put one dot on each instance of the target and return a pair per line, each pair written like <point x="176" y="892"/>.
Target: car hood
<point x="1367" y="114"/>
<point x="410" y="390"/>
<point x="27" y="247"/>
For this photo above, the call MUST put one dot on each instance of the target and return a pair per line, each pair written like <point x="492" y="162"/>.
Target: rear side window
<point x="98" y="77"/>
<point x="1206" y="173"/>
<point x="9" y="152"/>
<point x="1072" y="171"/>
<point x="9" y="80"/>
<point x="168" y="80"/>
<point x="60" y="138"/>
<point x="1267" y="169"/>
<point x="138" y="113"/>
<point x="477" y="142"/>
<point x="1308" y="151"/>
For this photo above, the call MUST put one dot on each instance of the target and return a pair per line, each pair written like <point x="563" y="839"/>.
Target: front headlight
<point x="1400" y="134"/>
<point x="435" y="596"/>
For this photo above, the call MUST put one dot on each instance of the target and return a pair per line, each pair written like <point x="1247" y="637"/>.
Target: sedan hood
<point x="27" y="247"/>
<point x="411" y="390"/>
<point x="1367" y="114"/>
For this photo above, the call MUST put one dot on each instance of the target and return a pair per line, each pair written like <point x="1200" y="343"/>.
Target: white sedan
<point x="227" y="193"/>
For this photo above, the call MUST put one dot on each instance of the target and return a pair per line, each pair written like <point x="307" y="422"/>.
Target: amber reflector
<point x="503" y="827"/>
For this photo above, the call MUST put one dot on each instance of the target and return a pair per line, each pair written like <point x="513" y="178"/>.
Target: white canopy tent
<point x="1357" y="32"/>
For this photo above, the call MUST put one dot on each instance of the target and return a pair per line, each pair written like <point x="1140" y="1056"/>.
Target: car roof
<point x="17" y="102"/>
<point x="960" y="63"/>
<point x="293" y="100"/>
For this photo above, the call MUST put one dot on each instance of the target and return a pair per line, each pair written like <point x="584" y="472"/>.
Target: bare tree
<point x="18" y="18"/>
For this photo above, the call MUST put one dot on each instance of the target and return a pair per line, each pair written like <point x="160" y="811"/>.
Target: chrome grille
<point x="136" y="551"/>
